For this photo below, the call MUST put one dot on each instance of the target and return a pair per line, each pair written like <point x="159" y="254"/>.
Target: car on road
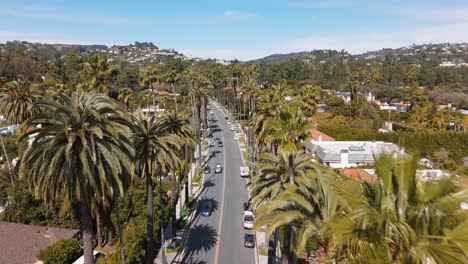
<point x="218" y="168"/>
<point x="206" y="208"/>
<point x="210" y="135"/>
<point x="244" y="171"/>
<point x="229" y="122"/>
<point x="236" y="137"/>
<point x="248" y="218"/>
<point x="207" y="169"/>
<point x="211" y="112"/>
<point x="233" y="128"/>
<point x="220" y="144"/>
<point x="249" y="240"/>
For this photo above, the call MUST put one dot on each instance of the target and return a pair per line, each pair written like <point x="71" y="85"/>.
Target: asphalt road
<point x="219" y="238"/>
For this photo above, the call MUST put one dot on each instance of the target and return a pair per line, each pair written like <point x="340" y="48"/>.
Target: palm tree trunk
<point x="199" y="134"/>
<point x="286" y="254"/>
<point x="149" y="218"/>
<point x="119" y="227"/>
<point x="161" y="230"/>
<point x="87" y="225"/>
<point x="186" y="171"/>
<point x="173" y="203"/>
<point x="98" y="227"/>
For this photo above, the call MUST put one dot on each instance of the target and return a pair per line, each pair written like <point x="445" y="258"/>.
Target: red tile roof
<point x="161" y="92"/>
<point x="357" y="174"/>
<point x="21" y="244"/>
<point x="315" y="133"/>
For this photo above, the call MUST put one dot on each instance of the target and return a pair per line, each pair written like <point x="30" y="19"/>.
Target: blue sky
<point x="243" y="29"/>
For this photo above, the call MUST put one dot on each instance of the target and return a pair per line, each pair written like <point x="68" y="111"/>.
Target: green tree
<point x="125" y="96"/>
<point x="63" y="251"/>
<point x="82" y="149"/>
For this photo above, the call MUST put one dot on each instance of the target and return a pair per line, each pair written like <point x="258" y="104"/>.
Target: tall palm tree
<point x="269" y="105"/>
<point x="155" y="147"/>
<point x="16" y="101"/>
<point x="125" y="95"/>
<point x="96" y="72"/>
<point x="306" y="100"/>
<point x="305" y="205"/>
<point x="275" y="174"/>
<point x="149" y="76"/>
<point x="178" y="124"/>
<point x="399" y="218"/>
<point x="82" y="149"/>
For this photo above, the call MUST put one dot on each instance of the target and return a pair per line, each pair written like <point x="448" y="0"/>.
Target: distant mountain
<point x="442" y="52"/>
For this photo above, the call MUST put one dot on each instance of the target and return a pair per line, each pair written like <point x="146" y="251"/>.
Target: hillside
<point x="442" y="53"/>
<point x="139" y="52"/>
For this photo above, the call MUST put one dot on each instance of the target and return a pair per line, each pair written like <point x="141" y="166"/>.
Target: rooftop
<point x="21" y="243"/>
<point x="315" y="134"/>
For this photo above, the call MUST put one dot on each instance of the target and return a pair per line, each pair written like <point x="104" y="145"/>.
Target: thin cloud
<point x="239" y="15"/>
<point x="448" y="14"/>
<point x="75" y="15"/>
<point x="325" y="4"/>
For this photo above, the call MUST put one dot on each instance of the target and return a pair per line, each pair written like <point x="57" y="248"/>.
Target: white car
<point x="233" y="128"/>
<point x="248" y="219"/>
<point x="218" y="168"/>
<point x="229" y="122"/>
<point x="236" y="137"/>
<point x="244" y="171"/>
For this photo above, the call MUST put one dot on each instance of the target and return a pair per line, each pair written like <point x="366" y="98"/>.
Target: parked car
<point x="244" y="171"/>
<point x="249" y="240"/>
<point x="248" y="219"/>
<point x="232" y="128"/>
<point x="206" y="208"/>
<point x="220" y="144"/>
<point x="207" y="169"/>
<point x="218" y="168"/>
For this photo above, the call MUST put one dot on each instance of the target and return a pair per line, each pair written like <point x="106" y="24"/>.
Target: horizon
<point x="243" y="30"/>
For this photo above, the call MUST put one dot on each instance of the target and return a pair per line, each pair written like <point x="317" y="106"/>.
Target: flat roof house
<point x="20" y="244"/>
<point x="346" y="154"/>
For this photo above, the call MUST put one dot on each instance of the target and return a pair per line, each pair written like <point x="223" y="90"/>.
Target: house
<point x="428" y="175"/>
<point x="317" y="135"/>
<point x="346" y="154"/>
<point x="20" y="244"/>
<point x="425" y="162"/>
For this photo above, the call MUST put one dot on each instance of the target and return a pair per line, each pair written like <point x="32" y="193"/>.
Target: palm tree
<point x="400" y="218"/>
<point x="82" y="149"/>
<point x="275" y="174"/>
<point x="16" y="101"/>
<point x="269" y="105"/>
<point x="148" y="77"/>
<point x="155" y="147"/>
<point x="305" y="205"/>
<point x="306" y="100"/>
<point x="125" y="96"/>
<point x="178" y="124"/>
<point x="97" y="71"/>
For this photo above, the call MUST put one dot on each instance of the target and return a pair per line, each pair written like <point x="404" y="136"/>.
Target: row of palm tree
<point x="396" y="218"/>
<point x="88" y="150"/>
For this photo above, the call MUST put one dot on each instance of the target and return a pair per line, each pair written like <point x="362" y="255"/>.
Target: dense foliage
<point x="62" y="252"/>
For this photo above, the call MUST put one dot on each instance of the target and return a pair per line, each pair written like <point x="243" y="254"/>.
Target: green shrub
<point x="62" y="252"/>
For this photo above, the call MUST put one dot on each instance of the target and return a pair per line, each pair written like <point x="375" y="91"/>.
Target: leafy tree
<point x="82" y="149"/>
<point x="96" y="72"/>
<point x="62" y="252"/>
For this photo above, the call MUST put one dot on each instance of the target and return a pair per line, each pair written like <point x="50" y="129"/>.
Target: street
<point x="219" y="238"/>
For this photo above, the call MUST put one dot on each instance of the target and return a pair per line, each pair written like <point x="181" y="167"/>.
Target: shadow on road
<point x="214" y="203"/>
<point x="201" y="238"/>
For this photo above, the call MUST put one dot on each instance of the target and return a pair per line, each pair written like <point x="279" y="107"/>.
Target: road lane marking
<point x="220" y="225"/>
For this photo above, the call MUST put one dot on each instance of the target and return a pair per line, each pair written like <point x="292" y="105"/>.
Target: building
<point x="20" y="244"/>
<point x="317" y="135"/>
<point x="346" y="154"/>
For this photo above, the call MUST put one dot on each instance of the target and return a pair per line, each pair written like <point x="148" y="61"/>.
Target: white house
<point x="346" y="154"/>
